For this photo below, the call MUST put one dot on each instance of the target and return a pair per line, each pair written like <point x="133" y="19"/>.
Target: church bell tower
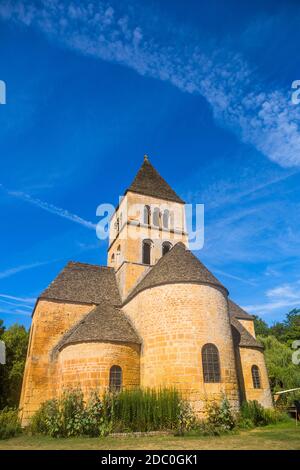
<point x="149" y="220"/>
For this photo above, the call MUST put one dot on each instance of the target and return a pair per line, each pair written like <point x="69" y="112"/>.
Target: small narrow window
<point x="166" y="247"/>
<point x="171" y="220"/>
<point x="147" y="213"/>
<point x="118" y="255"/>
<point x="147" y="251"/>
<point x="256" y="377"/>
<point x="211" y="363"/>
<point x="156" y="217"/>
<point x="112" y="258"/>
<point x="117" y="225"/>
<point x="115" y="379"/>
<point x="166" y="217"/>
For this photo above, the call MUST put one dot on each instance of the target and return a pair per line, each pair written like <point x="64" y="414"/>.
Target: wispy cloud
<point x="29" y="300"/>
<point x="232" y="276"/>
<point x="286" y="296"/>
<point x="23" y="267"/>
<point x="240" y="101"/>
<point x="65" y="214"/>
<point x="15" y="312"/>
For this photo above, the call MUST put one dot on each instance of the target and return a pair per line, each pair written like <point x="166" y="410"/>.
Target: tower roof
<point x="149" y="182"/>
<point x="104" y="323"/>
<point x="177" y="266"/>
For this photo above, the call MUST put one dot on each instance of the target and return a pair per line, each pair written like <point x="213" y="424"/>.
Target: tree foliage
<point x="11" y="374"/>
<point x="283" y="374"/>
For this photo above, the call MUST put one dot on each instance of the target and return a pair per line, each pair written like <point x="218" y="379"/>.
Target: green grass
<point x="280" y="436"/>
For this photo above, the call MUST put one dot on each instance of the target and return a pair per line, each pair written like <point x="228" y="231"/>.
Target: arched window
<point x="118" y="255"/>
<point x="117" y="225"/>
<point x="147" y="251"/>
<point x="156" y="217"/>
<point x="255" y="377"/>
<point x="166" y="247"/>
<point x="166" y="217"/>
<point x="211" y="363"/>
<point x="147" y="213"/>
<point x="171" y="220"/>
<point x="115" y="379"/>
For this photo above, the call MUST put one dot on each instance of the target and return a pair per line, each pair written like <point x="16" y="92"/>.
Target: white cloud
<point x="65" y="214"/>
<point x="286" y="296"/>
<point x="232" y="276"/>
<point x="19" y="299"/>
<point x="263" y="118"/>
<point x="23" y="267"/>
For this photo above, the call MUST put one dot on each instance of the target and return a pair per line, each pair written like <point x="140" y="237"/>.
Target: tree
<point x="2" y="328"/>
<point x="278" y="330"/>
<point x="283" y="374"/>
<point x="11" y="374"/>
<point x="261" y="327"/>
<point x="292" y="326"/>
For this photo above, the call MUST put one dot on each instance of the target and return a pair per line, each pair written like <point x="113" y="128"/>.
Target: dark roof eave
<point x="178" y="199"/>
<point x="117" y="341"/>
<point x="134" y="294"/>
<point x="247" y="346"/>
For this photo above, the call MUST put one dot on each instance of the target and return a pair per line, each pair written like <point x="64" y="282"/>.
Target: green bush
<point x="96" y="417"/>
<point x="253" y="414"/>
<point x="147" y="410"/>
<point x="9" y="423"/>
<point x="47" y="420"/>
<point x="126" y="411"/>
<point x="220" y="417"/>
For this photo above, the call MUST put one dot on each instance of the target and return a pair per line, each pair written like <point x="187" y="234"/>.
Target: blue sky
<point x="204" y="88"/>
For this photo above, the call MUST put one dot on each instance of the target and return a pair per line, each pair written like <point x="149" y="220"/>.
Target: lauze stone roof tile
<point x="104" y="323"/>
<point x="149" y="182"/>
<point x="84" y="283"/>
<point x="177" y="266"/>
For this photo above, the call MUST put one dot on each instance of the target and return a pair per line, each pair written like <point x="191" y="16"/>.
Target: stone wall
<point x="87" y="366"/>
<point x="175" y="321"/>
<point x="250" y="357"/>
<point x="50" y="321"/>
<point x="125" y="246"/>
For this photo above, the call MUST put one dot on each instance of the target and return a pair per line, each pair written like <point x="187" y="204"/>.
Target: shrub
<point x="72" y="413"/>
<point x="47" y="420"/>
<point x="147" y="410"/>
<point x="60" y="418"/>
<point x="96" y="415"/>
<point x="219" y="417"/>
<point x="10" y="425"/>
<point x="253" y="414"/>
<point x="126" y="411"/>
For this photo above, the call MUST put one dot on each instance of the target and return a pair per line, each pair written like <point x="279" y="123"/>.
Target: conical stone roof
<point x="149" y="182"/>
<point x="104" y="323"/>
<point x="177" y="266"/>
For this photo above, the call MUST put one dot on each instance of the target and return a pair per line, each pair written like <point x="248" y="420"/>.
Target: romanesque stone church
<point x="155" y="316"/>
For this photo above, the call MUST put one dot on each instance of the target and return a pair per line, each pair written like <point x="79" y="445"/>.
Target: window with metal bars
<point x="115" y="379"/>
<point x="256" y="377"/>
<point x="211" y="363"/>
